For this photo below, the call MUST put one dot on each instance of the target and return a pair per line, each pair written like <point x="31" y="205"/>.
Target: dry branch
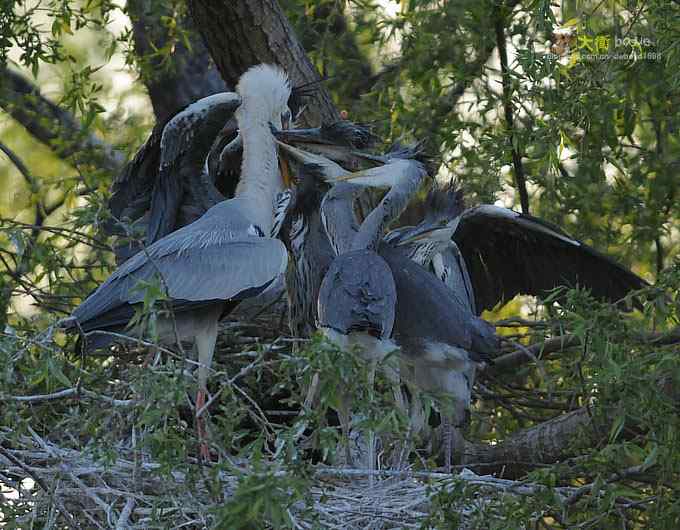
<point x="52" y="125"/>
<point x="338" y="498"/>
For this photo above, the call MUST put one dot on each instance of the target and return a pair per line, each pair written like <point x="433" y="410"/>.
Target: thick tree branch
<point x="242" y="33"/>
<point x="546" y="443"/>
<point x="52" y="125"/>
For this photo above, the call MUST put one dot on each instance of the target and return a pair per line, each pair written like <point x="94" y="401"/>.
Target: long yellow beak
<point x="286" y="173"/>
<point x="352" y="176"/>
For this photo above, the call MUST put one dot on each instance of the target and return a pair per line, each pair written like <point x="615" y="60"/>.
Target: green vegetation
<point x="588" y="431"/>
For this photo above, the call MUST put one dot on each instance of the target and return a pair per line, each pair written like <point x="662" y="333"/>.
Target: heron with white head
<point x="210" y="265"/>
<point x="192" y="161"/>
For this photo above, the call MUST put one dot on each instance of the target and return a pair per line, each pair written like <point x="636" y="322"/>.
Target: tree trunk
<point x="190" y="75"/>
<point x="242" y="33"/>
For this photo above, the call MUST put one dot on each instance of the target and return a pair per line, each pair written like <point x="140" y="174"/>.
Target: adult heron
<point x="210" y="265"/>
<point x="192" y="161"/>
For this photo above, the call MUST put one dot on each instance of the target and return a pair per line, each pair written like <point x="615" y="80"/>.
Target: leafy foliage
<point x="596" y="141"/>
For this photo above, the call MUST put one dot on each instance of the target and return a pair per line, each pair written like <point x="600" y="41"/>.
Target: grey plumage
<point x="490" y="254"/>
<point x="358" y="295"/>
<point x="167" y="174"/>
<point x="297" y="222"/>
<point x="184" y="260"/>
<point x="440" y="338"/>
<point x="185" y="143"/>
<point x="206" y="267"/>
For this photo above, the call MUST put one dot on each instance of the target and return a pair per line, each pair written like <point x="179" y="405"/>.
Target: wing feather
<point x="508" y="253"/>
<point x="210" y="259"/>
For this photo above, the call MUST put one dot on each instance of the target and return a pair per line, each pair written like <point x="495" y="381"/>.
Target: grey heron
<point x="496" y="252"/>
<point x="358" y="296"/>
<point x="489" y="254"/>
<point x="461" y="340"/>
<point x="439" y="338"/>
<point x="208" y="266"/>
<point x="179" y="172"/>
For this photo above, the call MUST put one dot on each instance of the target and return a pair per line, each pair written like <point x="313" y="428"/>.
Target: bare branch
<point x="52" y="125"/>
<point x="19" y="164"/>
<point x="74" y="392"/>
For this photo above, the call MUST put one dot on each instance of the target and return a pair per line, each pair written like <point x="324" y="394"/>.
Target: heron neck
<point x="260" y="176"/>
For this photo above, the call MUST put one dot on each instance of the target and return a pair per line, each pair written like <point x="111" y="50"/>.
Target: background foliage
<point x="593" y="143"/>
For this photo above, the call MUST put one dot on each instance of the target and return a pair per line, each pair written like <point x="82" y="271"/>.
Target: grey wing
<point x="425" y="307"/>
<point x="227" y="270"/>
<point x="211" y="112"/>
<point x="211" y="259"/>
<point x="508" y="253"/>
<point x="131" y="190"/>
<point x="185" y="144"/>
<point x="358" y="294"/>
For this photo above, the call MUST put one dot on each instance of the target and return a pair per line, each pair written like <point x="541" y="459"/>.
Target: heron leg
<point x="312" y="392"/>
<point x="371" y="432"/>
<point x="447" y="435"/>
<point x="205" y="342"/>
<point x="401" y="449"/>
<point x="344" y="417"/>
<point x="201" y="426"/>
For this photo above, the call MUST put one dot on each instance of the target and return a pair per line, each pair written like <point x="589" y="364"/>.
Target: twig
<point x="39" y="481"/>
<point x="125" y="514"/>
<point x="69" y="393"/>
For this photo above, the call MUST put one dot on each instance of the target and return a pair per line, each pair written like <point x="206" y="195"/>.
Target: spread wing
<point x="185" y="144"/>
<point x="508" y="253"/>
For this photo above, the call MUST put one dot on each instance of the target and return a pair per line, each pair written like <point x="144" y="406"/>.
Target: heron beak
<point x="299" y="136"/>
<point x="353" y="176"/>
<point x="430" y="233"/>
<point x="286" y="173"/>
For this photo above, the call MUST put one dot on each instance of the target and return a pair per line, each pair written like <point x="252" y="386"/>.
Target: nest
<point x="72" y="487"/>
<point x="58" y="481"/>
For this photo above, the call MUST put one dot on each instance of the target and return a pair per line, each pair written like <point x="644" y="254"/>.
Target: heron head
<point x="265" y="91"/>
